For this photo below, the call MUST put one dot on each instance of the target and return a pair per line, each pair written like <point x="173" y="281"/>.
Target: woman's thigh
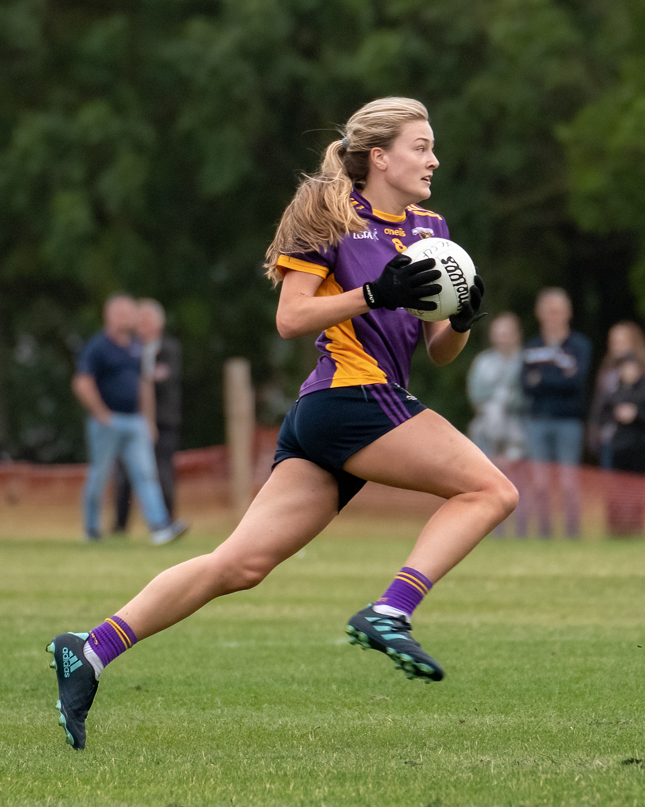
<point x="425" y="453"/>
<point x="297" y="502"/>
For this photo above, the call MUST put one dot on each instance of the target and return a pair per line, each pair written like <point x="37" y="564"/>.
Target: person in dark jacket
<point x="624" y="337"/>
<point x="625" y="409"/>
<point x="626" y="406"/>
<point x="161" y="363"/>
<point x="554" y="377"/>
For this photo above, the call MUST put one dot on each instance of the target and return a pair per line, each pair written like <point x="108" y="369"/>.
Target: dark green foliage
<point x="152" y="146"/>
<point x="606" y="143"/>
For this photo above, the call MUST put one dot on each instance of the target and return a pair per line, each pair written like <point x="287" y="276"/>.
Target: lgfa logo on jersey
<point x="371" y="234"/>
<point x="424" y="232"/>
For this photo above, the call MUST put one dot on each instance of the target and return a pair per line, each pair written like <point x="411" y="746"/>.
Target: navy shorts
<point x="329" y="426"/>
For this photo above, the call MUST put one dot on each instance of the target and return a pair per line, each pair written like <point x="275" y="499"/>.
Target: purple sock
<point x="111" y="638"/>
<point x="406" y="591"/>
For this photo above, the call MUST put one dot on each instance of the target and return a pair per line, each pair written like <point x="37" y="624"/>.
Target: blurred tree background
<point x="151" y="145"/>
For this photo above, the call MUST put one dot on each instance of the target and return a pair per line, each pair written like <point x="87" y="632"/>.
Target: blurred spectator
<point x="626" y="406"/>
<point x="495" y="390"/>
<point x="108" y="383"/>
<point x="554" y="375"/>
<point x="162" y="365"/>
<point x="623" y="338"/>
<point x="625" y="409"/>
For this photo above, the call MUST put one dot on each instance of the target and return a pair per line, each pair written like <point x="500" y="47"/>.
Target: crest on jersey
<point x="424" y="232"/>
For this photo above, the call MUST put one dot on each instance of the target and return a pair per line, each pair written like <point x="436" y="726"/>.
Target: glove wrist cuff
<point x="466" y="326"/>
<point x="371" y="295"/>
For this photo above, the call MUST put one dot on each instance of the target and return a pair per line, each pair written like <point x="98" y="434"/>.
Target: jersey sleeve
<point x="444" y="232"/>
<point x="428" y="224"/>
<point x="320" y="263"/>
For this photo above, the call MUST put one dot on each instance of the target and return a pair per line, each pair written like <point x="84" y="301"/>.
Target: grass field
<point x="258" y="700"/>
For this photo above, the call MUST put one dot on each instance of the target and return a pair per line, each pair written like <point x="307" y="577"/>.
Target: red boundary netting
<point x="199" y="468"/>
<point x="553" y="500"/>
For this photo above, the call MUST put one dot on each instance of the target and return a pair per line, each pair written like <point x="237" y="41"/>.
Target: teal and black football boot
<point x="77" y="685"/>
<point x="391" y="635"/>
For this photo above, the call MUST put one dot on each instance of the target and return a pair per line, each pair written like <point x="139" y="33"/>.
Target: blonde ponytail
<point x="320" y="213"/>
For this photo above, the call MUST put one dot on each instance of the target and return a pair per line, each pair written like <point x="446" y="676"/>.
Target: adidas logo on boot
<point x="71" y="662"/>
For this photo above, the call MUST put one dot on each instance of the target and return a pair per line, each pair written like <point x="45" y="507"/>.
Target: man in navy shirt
<point x="554" y="377"/>
<point x="120" y="423"/>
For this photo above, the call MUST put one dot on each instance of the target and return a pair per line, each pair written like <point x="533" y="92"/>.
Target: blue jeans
<point x="556" y="440"/>
<point x="126" y="437"/>
<point x="606" y="456"/>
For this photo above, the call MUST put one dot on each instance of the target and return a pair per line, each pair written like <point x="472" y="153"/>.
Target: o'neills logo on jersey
<point x="424" y="232"/>
<point x="371" y="234"/>
<point x="457" y="279"/>
<point x="389" y="231"/>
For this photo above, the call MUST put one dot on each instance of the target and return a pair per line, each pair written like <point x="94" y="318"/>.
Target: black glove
<point x="465" y="319"/>
<point x="402" y="284"/>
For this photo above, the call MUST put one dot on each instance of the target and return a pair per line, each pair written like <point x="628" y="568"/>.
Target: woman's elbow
<point x="285" y="332"/>
<point x="288" y="326"/>
<point x="438" y="359"/>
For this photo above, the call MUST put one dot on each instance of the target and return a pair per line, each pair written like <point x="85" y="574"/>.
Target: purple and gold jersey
<point x="377" y="347"/>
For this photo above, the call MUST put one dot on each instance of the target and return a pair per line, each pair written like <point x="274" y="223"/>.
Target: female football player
<point x="337" y="253"/>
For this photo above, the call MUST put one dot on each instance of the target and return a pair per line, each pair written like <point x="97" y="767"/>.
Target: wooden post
<point x="239" y="407"/>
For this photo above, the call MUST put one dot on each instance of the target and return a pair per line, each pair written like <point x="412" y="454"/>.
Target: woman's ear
<point x="378" y="158"/>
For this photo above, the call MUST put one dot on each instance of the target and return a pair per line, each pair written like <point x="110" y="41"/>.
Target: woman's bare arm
<point x="301" y="312"/>
<point x="442" y="342"/>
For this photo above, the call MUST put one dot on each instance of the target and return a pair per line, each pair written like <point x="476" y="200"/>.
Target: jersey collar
<point x="366" y="210"/>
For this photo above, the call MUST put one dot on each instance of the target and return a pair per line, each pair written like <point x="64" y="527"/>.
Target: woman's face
<point x="504" y="335"/>
<point x="619" y="341"/>
<point x="630" y="372"/>
<point x="407" y="166"/>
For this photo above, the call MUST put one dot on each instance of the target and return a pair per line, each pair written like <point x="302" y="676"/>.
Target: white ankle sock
<point x="387" y="610"/>
<point x="94" y="660"/>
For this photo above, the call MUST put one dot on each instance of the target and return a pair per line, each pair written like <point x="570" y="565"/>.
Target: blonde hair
<point x="320" y="213"/>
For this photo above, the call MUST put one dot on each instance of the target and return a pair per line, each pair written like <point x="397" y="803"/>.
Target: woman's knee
<point x="237" y="574"/>
<point x="506" y="495"/>
<point x="250" y="575"/>
<point x="495" y="493"/>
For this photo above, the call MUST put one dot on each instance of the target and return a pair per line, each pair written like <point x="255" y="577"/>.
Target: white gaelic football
<point x="457" y="276"/>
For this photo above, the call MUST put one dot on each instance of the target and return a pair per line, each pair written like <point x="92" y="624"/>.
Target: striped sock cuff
<point x="125" y="632"/>
<point x="111" y="638"/>
<point x="415" y="579"/>
<point x="406" y="591"/>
